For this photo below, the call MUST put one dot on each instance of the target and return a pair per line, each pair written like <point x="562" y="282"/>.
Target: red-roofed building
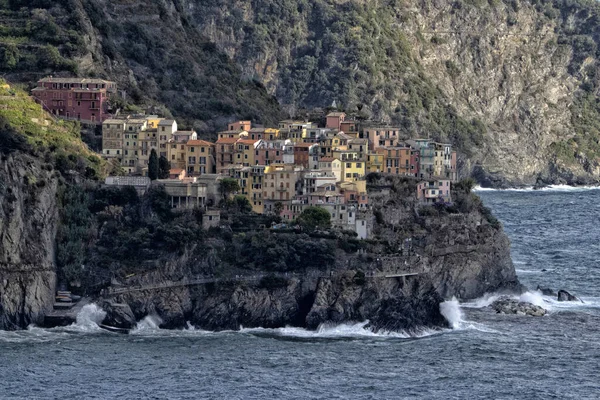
<point x="177" y="173"/>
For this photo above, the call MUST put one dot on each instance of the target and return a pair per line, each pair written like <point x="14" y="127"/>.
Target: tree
<point x="314" y="217"/>
<point x="153" y="165"/>
<point x="278" y="208"/>
<point x="228" y="186"/>
<point x="242" y="204"/>
<point x="164" y="168"/>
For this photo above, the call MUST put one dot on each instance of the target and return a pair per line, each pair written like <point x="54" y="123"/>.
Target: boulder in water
<point x="512" y="306"/>
<point x="118" y="315"/>
<point x="546" y="291"/>
<point x="563" y="295"/>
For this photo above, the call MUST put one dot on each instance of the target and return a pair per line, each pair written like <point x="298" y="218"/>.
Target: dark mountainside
<point x="513" y="84"/>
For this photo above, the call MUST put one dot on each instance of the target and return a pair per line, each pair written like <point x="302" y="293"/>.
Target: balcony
<point x="282" y="189"/>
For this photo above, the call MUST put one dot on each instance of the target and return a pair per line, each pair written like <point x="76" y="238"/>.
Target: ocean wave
<point x="549" y="188"/>
<point x="356" y="330"/>
<point x="550" y="303"/>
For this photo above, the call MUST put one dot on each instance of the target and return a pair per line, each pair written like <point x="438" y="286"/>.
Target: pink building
<point x="269" y="152"/>
<point x="84" y="100"/>
<point x="239" y="126"/>
<point x="414" y="162"/>
<point x="334" y="120"/>
<point x="430" y="192"/>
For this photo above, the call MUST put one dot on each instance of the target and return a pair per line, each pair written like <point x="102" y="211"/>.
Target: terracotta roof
<point x="327" y="159"/>
<point x="336" y="114"/>
<point x="231" y="132"/>
<point x="73" y="80"/>
<point x="247" y="141"/>
<point x="227" y="140"/>
<point x="175" y="171"/>
<point x="199" y="143"/>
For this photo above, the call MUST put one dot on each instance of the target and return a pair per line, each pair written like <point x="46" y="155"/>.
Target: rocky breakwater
<point x="28" y="222"/>
<point x="507" y="305"/>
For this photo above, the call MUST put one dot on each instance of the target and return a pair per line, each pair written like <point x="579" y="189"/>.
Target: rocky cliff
<point x="28" y="224"/>
<point x="417" y="257"/>
<point x="37" y="156"/>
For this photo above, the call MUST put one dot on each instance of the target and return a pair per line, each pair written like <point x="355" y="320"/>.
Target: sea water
<point x="555" y="243"/>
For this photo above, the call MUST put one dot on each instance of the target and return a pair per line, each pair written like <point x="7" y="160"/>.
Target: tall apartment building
<point x="84" y="100"/>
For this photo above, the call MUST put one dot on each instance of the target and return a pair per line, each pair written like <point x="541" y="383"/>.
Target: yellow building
<point x="375" y="162"/>
<point x="177" y="154"/>
<point x="255" y="188"/>
<point x="199" y="157"/>
<point x="153" y="121"/>
<point x="245" y="152"/>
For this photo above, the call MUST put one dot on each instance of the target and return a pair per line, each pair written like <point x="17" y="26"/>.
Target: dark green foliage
<point x="241" y="204"/>
<point x="75" y="234"/>
<point x="279" y="252"/>
<point x="359" y="278"/>
<point x="278" y="208"/>
<point x="465" y="185"/>
<point x="271" y="282"/>
<point x="164" y="168"/>
<point x="153" y="168"/>
<point x="158" y="202"/>
<point x="228" y="186"/>
<point x="314" y="218"/>
<point x="10" y="140"/>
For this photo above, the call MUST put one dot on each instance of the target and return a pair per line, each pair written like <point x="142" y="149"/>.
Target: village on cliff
<point x="280" y="170"/>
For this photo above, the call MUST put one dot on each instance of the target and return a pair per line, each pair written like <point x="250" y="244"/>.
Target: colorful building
<point x="434" y="191"/>
<point x="85" y="100"/>
<point x="200" y="157"/>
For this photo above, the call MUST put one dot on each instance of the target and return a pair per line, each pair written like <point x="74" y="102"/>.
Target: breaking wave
<point x="450" y="309"/>
<point x="550" y="303"/>
<point x="549" y="188"/>
<point x="340" y="331"/>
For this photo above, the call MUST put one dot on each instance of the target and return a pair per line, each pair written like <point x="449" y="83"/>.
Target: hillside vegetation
<point x="513" y="84"/>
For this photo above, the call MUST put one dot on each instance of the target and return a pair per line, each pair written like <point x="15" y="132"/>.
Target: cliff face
<point x="28" y="223"/>
<point x="501" y="80"/>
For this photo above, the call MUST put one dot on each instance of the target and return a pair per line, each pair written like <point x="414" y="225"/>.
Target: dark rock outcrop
<point x="28" y="222"/>
<point x="512" y="306"/>
<point x="118" y="315"/>
<point x="546" y="291"/>
<point x="563" y="295"/>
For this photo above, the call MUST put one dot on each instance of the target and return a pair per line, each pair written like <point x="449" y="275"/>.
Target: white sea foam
<point x="88" y="319"/>
<point x="150" y="323"/>
<point x="340" y="331"/>
<point x="450" y="309"/>
<point x="550" y="303"/>
<point x="549" y="188"/>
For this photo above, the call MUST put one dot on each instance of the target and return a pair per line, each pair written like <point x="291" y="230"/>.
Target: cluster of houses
<point x="281" y="169"/>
